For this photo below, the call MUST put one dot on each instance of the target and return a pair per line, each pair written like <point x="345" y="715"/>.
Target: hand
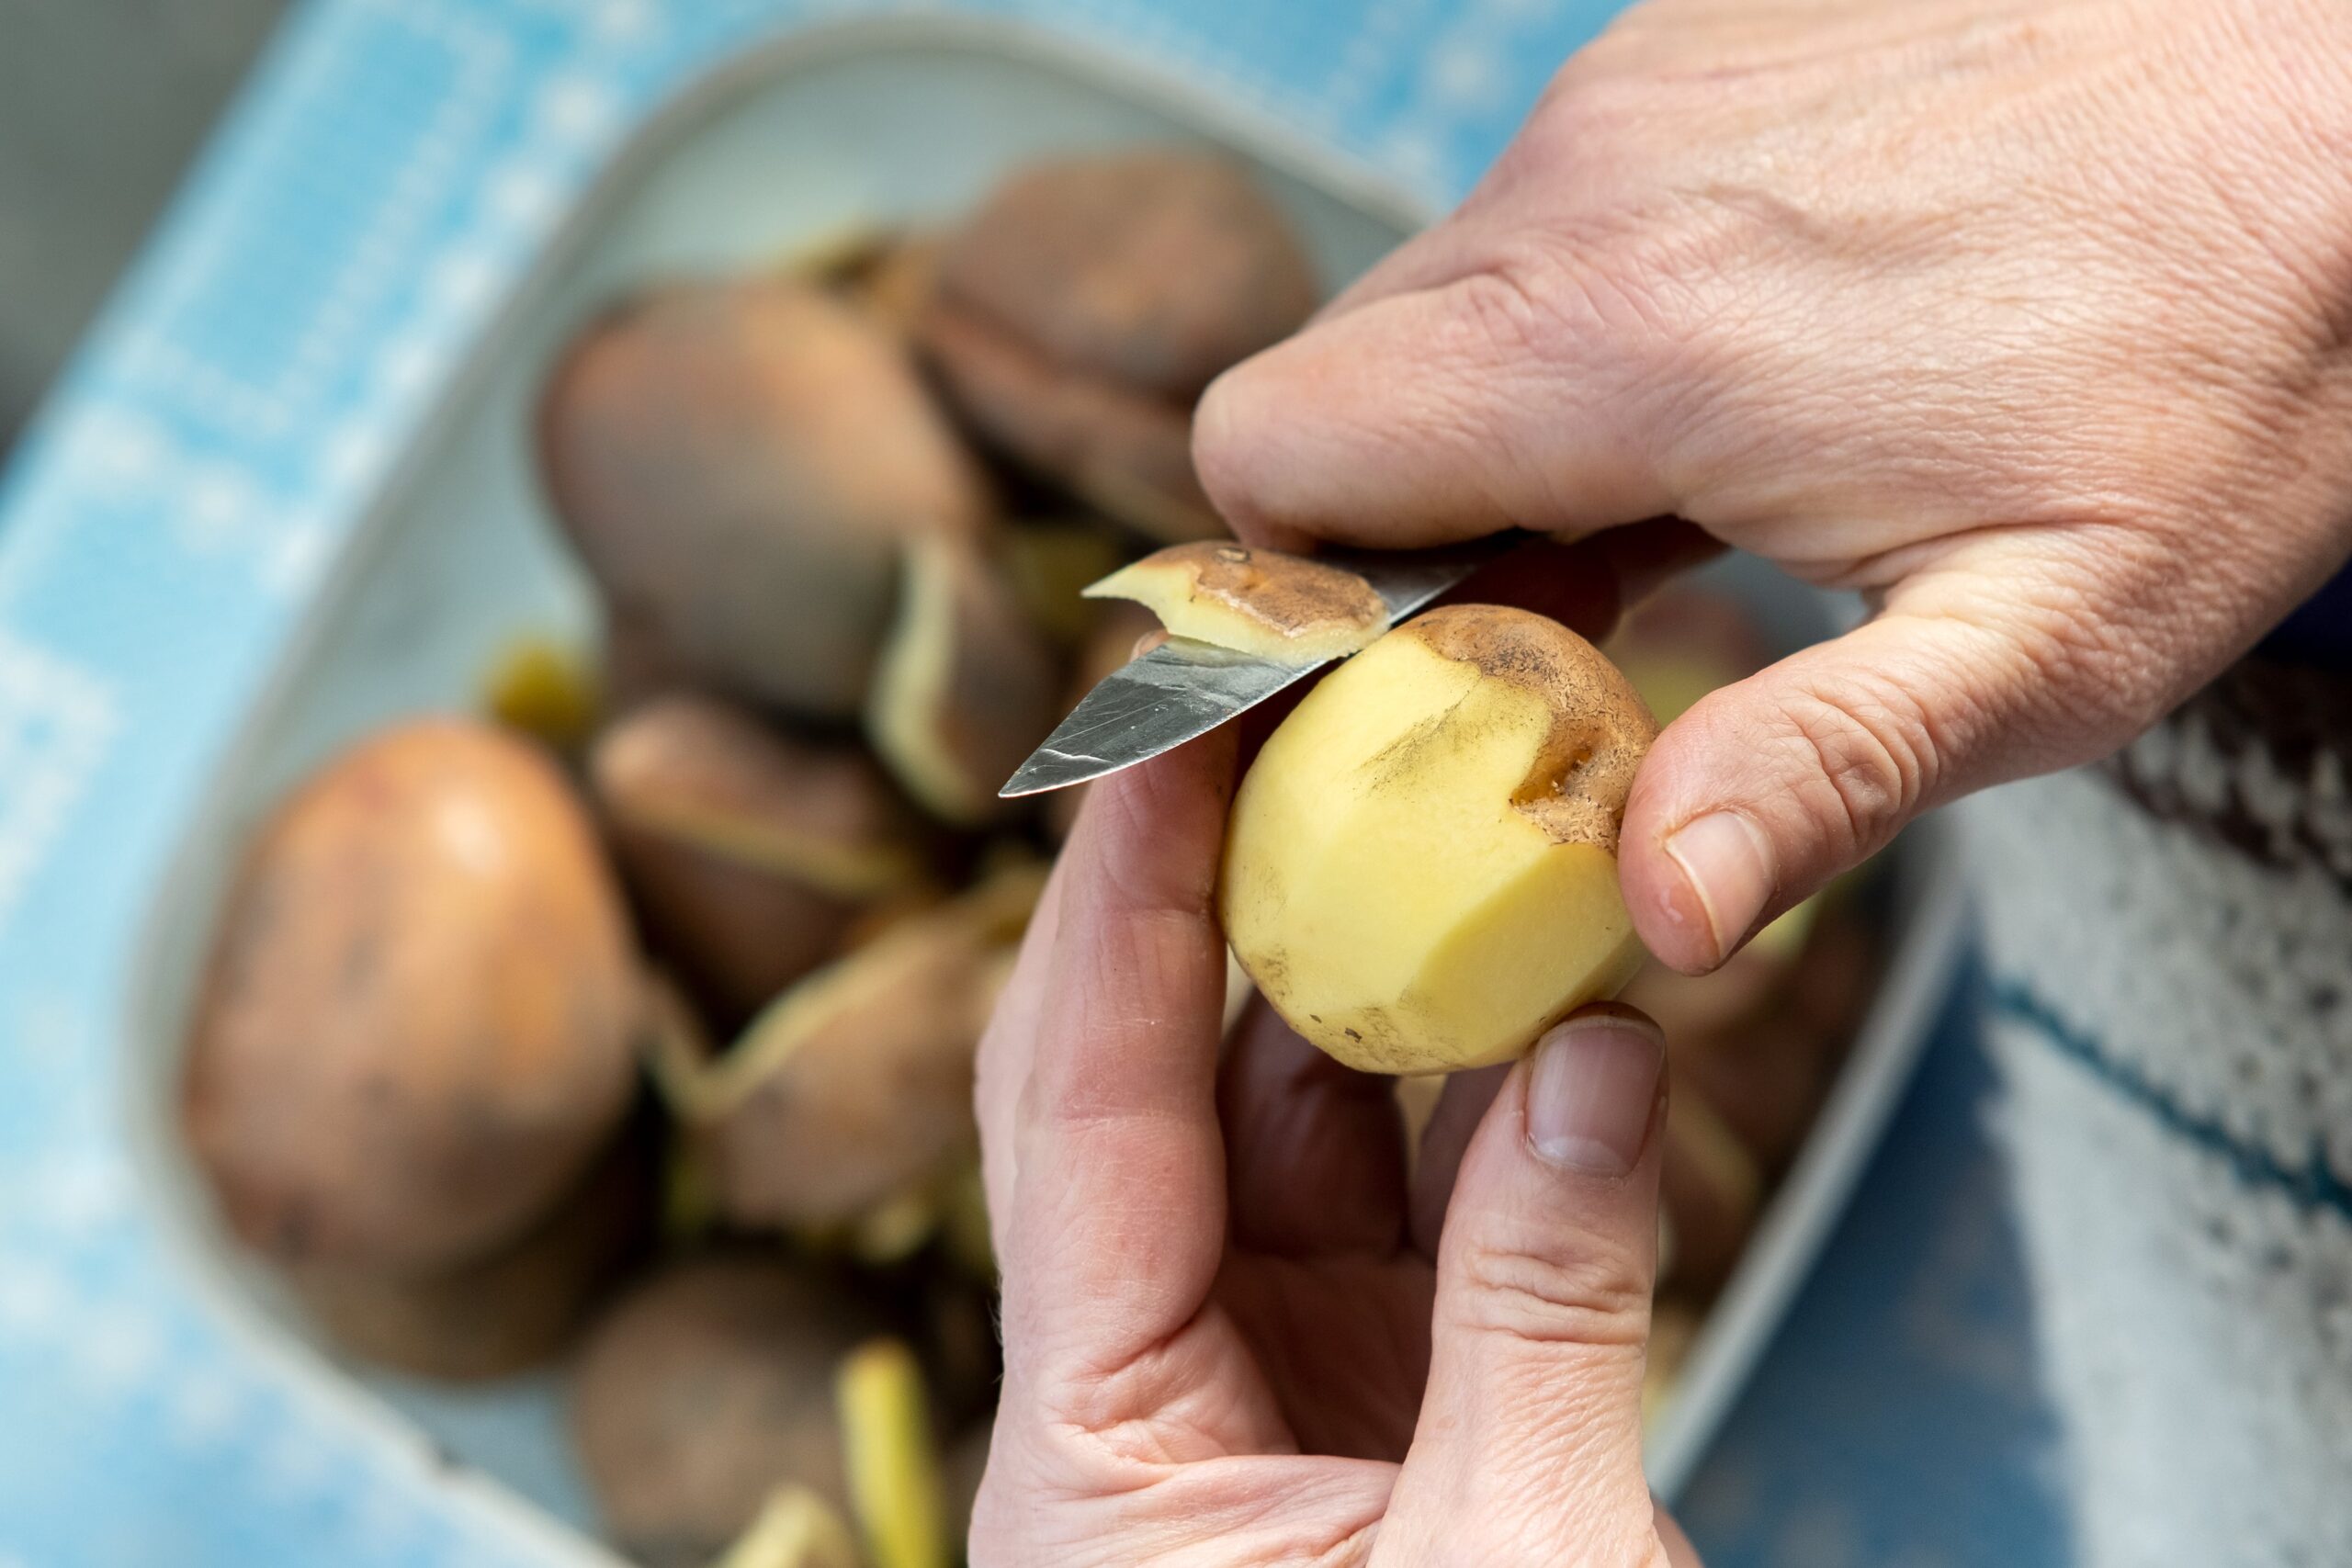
<point x="1232" y="1335"/>
<point x="2030" y="319"/>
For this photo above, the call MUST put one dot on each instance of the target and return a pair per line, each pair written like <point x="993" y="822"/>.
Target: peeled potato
<point x="1420" y="870"/>
<point x="417" y="1029"/>
<point x="1284" y="608"/>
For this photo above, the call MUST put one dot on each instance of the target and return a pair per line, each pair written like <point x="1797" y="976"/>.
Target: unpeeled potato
<point x="703" y="1390"/>
<point x="505" y="1313"/>
<point x="1078" y="315"/>
<point x="417" y="1027"/>
<point x="752" y="855"/>
<point x="857" y="1084"/>
<point x="966" y="688"/>
<point x="738" y="464"/>
<point x="1420" y="868"/>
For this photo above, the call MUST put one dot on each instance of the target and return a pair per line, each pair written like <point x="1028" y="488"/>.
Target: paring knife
<point x="1183" y="688"/>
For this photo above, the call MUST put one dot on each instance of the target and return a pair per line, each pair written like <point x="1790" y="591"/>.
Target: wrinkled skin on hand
<point x="2030" y="319"/>
<point x="1236" y="1333"/>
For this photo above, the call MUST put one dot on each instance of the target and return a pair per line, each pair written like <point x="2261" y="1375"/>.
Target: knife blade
<point x="1183" y="688"/>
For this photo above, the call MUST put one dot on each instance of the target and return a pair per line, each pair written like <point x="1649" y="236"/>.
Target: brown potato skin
<point x="1284" y="595"/>
<point x="875" y="1098"/>
<point x="1127" y="453"/>
<point x="1078" y="315"/>
<point x="1600" y="729"/>
<point x="953" y="739"/>
<point x="684" y="781"/>
<point x="702" y="1390"/>
<point x="511" y="1312"/>
<point x="738" y="463"/>
<point x="735" y="934"/>
<point x="416" y="1030"/>
<point x="697" y="767"/>
<point x="1153" y="269"/>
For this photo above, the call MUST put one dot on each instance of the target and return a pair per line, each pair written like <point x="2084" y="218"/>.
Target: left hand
<point x="1232" y="1335"/>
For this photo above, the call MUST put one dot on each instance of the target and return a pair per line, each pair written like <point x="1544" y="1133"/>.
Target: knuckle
<point x="1874" y="755"/>
<point x="1597" y="1296"/>
<point x="1231" y="456"/>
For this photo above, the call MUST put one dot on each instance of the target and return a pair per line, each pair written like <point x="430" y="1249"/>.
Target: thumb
<point x="1529" y="1447"/>
<point x="1974" y="673"/>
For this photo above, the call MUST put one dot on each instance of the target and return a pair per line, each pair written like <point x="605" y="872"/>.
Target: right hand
<point x="2032" y="322"/>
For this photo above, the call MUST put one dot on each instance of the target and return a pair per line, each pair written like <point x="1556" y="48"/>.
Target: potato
<point x="752" y="855"/>
<point x="703" y="771"/>
<point x="508" y="1313"/>
<point x="857" y="1084"/>
<point x="1420" y="868"/>
<point x="1127" y="454"/>
<point x="1766" y="1074"/>
<point x="967" y="688"/>
<point x="1155" y="268"/>
<point x="735" y="934"/>
<point x="703" y="1390"/>
<point x="416" y="1031"/>
<point x="897" y="281"/>
<point x="739" y="464"/>
<point x="1080" y="312"/>
<point x="1283" y="608"/>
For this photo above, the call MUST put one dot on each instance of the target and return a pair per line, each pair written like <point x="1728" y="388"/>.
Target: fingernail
<point x="1728" y="863"/>
<point x="1592" y="1091"/>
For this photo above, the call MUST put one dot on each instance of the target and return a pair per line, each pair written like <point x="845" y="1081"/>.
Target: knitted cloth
<point x="2171" y="937"/>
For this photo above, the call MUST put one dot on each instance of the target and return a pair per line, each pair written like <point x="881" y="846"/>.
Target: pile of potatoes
<point x="630" y="1022"/>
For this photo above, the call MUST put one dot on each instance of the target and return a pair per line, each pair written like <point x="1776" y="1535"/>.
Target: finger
<point x="1216" y="1513"/>
<point x="1444" y="1141"/>
<point x="1314" y="1151"/>
<point x="1996" y="664"/>
<point x="1006" y="1049"/>
<point x="1495" y="400"/>
<point x="1118" y="1206"/>
<point x="1529" y="1447"/>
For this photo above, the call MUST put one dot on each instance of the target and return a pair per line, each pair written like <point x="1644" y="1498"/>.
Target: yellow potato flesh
<point x="1287" y="609"/>
<point x="1386" y="893"/>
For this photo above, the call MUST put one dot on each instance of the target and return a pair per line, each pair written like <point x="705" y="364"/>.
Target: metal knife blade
<point x="1183" y="688"/>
